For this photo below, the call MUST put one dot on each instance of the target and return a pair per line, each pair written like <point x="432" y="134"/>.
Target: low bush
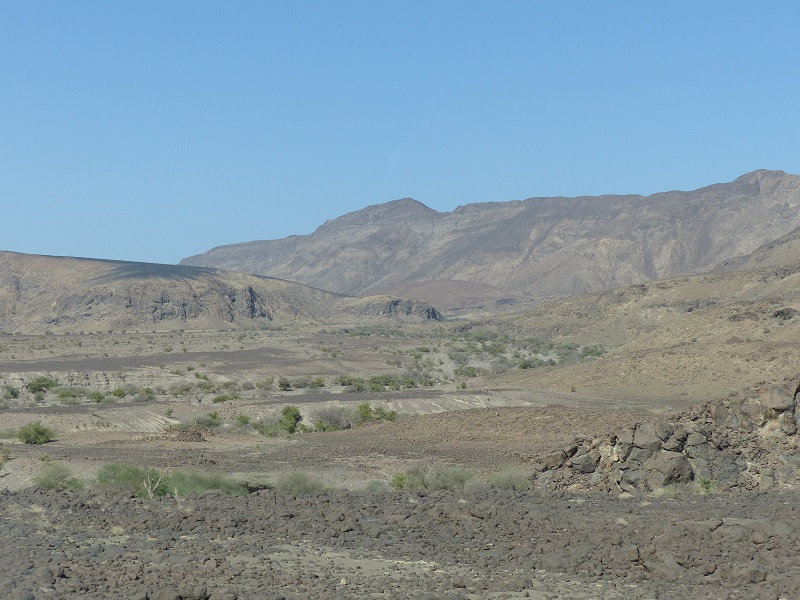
<point x="377" y="487"/>
<point x="225" y="397"/>
<point x="511" y="479"/>
<point x="432" y="478"/>
<point x="206" y="421"/>
<point x="366" y="413"/>
<point x="58" y="477"/>
<point x="290" y="418"/>
<point x="333" y="418"/>
<point x="298" y="484"/>
<point x="69" y="392"/>
<point x="265" y="384"/>
<point x="35" y="434"/>
<point x="181" y="389"/>
<point x="151" y="483"/>
<point x="41" y="384"/>
<point x="9" y="392"/>
<point x="465" y="371"/>
<point x="407" y="481"/>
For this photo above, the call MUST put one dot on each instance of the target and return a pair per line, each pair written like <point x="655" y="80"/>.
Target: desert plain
<point x="187" y="432"/>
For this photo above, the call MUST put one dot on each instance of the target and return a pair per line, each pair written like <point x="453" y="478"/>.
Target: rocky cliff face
<point x="536" y="247"/>
<point x="39" y="293"/>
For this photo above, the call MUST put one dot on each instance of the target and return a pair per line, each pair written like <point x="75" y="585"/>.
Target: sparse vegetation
<point x="153" y="483"/>
<point x="57" y="477"/>
<point x="511" y="479"/>
<point x="298" y="484"/>
<point x="227" y="397"/>
<point x="41" y="384"/>
<point x="366" y="413"/>
<point x="431" y="478"/>
<point x="290" y="418"/>
<point x="35" y="434"/>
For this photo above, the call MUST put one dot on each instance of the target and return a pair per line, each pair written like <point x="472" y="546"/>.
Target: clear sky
<point x="156" y="130"/>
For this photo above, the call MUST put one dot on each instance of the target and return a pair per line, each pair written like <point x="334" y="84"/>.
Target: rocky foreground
<point x="482" y="543"/>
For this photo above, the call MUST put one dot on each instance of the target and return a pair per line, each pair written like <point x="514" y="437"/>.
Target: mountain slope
<point x="537" y="247"/>
<point x="61" y="293"/>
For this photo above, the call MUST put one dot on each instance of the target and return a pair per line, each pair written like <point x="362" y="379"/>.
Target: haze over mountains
<point x="500" y="252"/>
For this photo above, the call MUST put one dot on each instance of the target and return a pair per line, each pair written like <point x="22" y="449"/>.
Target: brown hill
<point x="40" y="293"/>
<point x="538" y="247"/>
<point x="693" y="337"/>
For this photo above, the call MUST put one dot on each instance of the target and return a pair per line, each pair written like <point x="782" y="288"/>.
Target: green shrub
<point x="706" y="485"/>
<point x="511" y="479"/>
<point x="5" y="453"/>
<point x="265" y="383"/>
<point x="465" y="371"/>
<point x="532" y="363"/>
<point x="366" y="413"/>
<point x="97" y="396"/>
<point x="432" y="478"/>
<point x="333" y="418"/>
<point x="208" y="421"/>
<point x="377" y="487"/>
<point x="10" y="391"/>
<point x="119" y="392"/>
<point x="407" y="481"/>
<point x="148" y="482"/>
<point x="143" y="398"/>
<point x="298" y="483"/>
<point x="290" y="418"/>
<point x="35" y="434"/>
<point x="448" y="478"/>
<point x="181" y="389"/>
<point x="201" y="376"/>
<point x="284" y="384"/>
<point x="41" y="384"/>
<point x="58" y="477"/>
<point x="69" y="392"/>
<point x="225" y="397"/>
<point x="592" y="351"/>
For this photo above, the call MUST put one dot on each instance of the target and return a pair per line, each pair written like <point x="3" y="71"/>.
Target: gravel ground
<point x="338" y="544"/>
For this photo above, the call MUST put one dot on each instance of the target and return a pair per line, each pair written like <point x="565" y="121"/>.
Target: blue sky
<point x="156" y="130"/>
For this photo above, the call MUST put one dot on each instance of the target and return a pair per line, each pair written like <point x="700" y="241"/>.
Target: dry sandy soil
<point x="352" y="540"/>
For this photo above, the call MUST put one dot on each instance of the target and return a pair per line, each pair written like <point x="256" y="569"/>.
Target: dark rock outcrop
<point x="746" y="441"/>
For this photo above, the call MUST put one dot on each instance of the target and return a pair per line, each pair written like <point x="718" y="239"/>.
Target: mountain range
<point x="492" y="254"/>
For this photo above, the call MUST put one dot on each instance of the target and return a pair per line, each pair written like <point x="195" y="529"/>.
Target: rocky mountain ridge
<point x="40" y="293"/>
<point x="534" y="248"/>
